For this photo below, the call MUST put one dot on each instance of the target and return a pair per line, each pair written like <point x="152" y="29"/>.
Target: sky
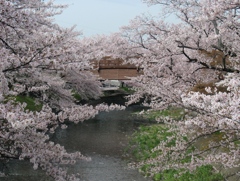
<point x="94" y="17"/>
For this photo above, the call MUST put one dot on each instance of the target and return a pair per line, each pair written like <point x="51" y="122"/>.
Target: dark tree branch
<point x="8" y="46"/>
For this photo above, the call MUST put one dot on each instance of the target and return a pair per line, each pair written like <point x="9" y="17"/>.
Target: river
<point x="103" y="138"/>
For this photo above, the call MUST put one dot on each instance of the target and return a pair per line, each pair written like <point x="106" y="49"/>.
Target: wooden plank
<point x="117" y="74"/>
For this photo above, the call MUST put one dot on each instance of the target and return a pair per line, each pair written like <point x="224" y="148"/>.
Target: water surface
<point x="102" y="138"/>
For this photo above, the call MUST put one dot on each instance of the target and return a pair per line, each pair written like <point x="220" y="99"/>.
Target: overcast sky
<point x="101" y="16"/>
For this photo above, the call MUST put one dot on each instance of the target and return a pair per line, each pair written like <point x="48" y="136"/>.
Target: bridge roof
<point x="110" y="63"/>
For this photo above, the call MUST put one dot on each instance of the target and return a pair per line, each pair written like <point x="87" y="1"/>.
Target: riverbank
<point x="144" y="148"/>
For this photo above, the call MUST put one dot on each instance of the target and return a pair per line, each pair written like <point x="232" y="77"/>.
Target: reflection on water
<point x="106" y="134"/>
<point x="102" y="138"/>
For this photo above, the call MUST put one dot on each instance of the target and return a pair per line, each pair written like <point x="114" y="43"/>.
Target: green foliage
<point x="77" y="96"/>
<point x="127" y="90"/>
<point x="237" y="143"/>
<point x="31" y="103"/>
<point x="202" y="173"/>
<point x="145" y="169"/>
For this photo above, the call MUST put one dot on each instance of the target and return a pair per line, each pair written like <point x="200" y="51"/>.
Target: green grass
<point x="202" y="173"/>
<point x="147" y="138"/>
<point x="174" y="113"/>
<point x="31" y="103"/>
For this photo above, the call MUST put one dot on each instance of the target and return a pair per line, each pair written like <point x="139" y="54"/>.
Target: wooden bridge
<point x="114" y="69"/>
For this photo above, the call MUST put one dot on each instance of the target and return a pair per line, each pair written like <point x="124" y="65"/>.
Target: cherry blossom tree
<point x="193" y="64"/>
<point x="50" y="63"/>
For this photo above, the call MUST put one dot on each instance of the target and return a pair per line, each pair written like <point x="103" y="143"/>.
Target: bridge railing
<point x="114" y="69"/>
